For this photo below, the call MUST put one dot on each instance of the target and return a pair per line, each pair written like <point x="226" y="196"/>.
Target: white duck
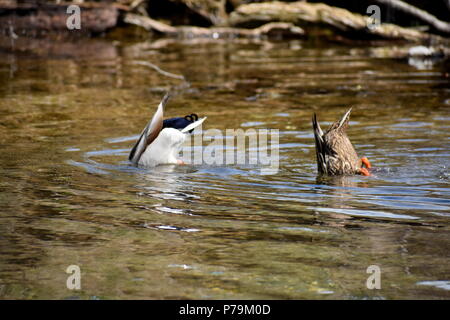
<point x="161" y="140"/>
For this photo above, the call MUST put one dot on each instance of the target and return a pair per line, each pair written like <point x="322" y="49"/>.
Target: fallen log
<point x="281" y="29"/>
<point x="304" y="14"/>
<point x="149" y="24"/>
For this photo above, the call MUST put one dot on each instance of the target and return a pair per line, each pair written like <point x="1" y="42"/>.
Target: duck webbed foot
<point x="365" y="164"/>
<point x="364" y="172"/>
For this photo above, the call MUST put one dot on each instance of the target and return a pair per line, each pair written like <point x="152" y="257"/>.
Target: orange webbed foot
<point x="366" y="162"/>
<point x="180" y="162"/>
<point x="364" y="172"/>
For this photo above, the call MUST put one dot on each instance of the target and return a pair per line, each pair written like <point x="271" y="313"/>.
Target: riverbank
<point x="218" y="19"/>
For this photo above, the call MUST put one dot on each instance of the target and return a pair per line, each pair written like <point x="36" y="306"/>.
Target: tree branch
<point x="266" y="30"/>
<point x="418" y="13"/>
<point x="447" y="2"/>
<point x="158" y="69"/>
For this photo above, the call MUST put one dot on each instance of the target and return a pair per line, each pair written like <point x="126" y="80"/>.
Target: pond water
<point x="70" y="112"/>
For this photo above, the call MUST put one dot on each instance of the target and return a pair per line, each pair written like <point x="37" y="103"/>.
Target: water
<point x="70" y="113"/>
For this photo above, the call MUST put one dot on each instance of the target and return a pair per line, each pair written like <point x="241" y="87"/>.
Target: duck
<point x="160" y="141"/>
<point x="335" y="152"/>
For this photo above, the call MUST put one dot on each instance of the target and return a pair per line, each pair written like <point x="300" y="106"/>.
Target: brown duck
<point x="335" y="153"/>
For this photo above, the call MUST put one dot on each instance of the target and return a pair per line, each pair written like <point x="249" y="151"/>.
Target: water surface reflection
<point x="69" y="195"/>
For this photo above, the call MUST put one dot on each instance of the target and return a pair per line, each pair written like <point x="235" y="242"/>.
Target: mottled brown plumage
<point x="335" y="153"/>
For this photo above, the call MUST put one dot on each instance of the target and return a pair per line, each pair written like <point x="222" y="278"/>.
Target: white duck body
<point x="157" y="145"/>
<point x="164" y="149"/>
